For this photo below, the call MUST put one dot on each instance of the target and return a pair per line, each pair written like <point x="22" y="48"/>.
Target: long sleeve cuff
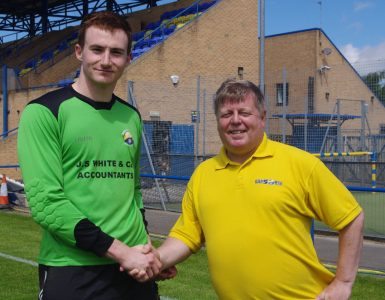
<point x="90" y="237"/>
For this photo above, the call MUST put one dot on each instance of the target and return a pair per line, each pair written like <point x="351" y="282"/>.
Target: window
<point x="280" y="94"/>
<point x="382" y="128"/>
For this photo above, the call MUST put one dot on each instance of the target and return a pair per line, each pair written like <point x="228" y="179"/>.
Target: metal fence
<point x="180" y="132"/>
<point x="180" y="126"/>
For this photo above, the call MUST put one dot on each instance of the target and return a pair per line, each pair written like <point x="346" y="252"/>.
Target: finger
<point x="134" y="272"/>
<point x="163" y="275"/>
<point x="173" y="272"/>
<point x="146" y="248"/>
<point x="158" y="263"/>
<point x="141" y="276"/>
<point x="150" y="272"/>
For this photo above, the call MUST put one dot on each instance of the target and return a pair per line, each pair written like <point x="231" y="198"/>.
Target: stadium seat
<point x="153" y="25"/>
<point x="46" y="56"/>
<point x="62" y="46"/>
<point x="158" y="39"/>
<point x="65" y="82"/>
<point x="156" y="32"/>
<point x="147" y="34"/>
<point x="205" y="6"/>
<point x="31" y="64"/>
<point x="170" y="29"/>
<point x="138" y="35"/>
<point x="190" y="10"/>
<point x="24" y="71"/>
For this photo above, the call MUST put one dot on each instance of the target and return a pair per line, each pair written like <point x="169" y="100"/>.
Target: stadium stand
<point x="46" y="50"/>
<point x="170" y="21"/>
<point x="36" y="54"/>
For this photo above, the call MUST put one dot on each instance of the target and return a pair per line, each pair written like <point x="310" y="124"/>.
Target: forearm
<point x="172" y="252"/>
<point x="116" y="251"/>
<point x="350" y="245"/>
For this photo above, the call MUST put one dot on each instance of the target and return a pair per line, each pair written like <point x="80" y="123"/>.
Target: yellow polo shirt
<point x="255" y="219"/>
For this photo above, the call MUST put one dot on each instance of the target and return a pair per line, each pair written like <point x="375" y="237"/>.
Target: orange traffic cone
<point x="4" y="203"/>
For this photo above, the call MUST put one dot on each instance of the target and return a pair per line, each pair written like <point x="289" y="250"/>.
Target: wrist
<point x="345" y="281"/>
<point x="115" y="251"/>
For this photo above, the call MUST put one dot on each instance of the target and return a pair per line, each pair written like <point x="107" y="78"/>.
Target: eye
<point x="226" y="115"/>
<point x="96" y="50"/>
<point x="117" y="52"/>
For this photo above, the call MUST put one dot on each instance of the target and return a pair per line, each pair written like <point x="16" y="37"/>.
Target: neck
<point x="92" y="91"/>
<point x="239" y="158"/>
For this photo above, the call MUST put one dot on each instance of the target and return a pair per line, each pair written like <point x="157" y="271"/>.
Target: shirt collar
<point x="265" y="149"/>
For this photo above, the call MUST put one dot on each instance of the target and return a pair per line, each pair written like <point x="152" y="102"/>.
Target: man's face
<point x="104" y="56"/>
<point x="241" y="128"/>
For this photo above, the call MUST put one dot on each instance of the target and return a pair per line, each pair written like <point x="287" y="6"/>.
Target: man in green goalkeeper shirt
<point x="79" y="150"/>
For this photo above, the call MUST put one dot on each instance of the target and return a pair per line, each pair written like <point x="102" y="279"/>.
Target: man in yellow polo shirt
<point x="252" y="206"/>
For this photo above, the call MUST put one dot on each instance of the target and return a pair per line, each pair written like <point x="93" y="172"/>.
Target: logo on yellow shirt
<point x="268" y="181"/>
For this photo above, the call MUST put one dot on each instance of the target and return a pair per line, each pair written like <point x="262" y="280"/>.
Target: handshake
<point x="142" y="262"/>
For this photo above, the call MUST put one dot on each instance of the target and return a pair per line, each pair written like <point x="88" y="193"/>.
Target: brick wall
<point x="300" y="55"/>
<point x="208" y="50"/>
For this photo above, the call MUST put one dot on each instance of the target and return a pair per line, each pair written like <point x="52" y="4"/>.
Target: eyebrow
<point x="103" y="47"/>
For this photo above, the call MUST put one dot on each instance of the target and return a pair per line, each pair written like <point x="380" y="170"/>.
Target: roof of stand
<point x="26" y="7"/>
<point x="39" y="16"/>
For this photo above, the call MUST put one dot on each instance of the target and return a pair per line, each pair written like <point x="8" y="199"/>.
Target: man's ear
<point x="79" y="52"/>
<point x="129" y="58"/>
<point x="263" y="115"/>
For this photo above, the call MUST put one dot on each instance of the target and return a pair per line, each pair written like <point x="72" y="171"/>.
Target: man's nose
<point x="106" y="59"/>
<point x="235" y="118"/>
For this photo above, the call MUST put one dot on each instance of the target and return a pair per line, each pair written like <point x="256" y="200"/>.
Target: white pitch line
<point x="18" y="259"/>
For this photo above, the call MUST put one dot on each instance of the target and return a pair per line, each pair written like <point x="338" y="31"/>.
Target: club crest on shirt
<point x="268" y="181"/>
<point x="127" y="137"/>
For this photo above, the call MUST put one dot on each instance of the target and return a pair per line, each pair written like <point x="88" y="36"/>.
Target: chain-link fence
<point x="180" y="131"/>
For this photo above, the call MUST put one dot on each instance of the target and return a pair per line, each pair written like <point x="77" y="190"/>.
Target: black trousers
<point x="104" y="282"/>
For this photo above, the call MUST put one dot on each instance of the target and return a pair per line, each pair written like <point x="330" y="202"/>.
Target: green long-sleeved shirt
<point x="80" y="165"/>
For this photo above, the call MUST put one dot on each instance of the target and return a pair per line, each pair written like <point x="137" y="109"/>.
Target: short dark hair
<point x="236" y="90"/>
<point x="106" y="20"/>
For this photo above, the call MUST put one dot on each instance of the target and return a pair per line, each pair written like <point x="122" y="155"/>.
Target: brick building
<point x="304" y="67"/>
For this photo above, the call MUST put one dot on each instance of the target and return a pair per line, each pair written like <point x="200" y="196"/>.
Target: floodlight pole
<point x="261" y="20"/>
<point x="262" y="46"/>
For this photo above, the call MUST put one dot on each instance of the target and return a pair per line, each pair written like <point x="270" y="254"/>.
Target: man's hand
<point x="336" y="290"/>
<point x="140" y="258"/>
<point x="165" y="274"/>
<point x="168" y="273"/>
<point x="138" y="274"/>
<point x="170" y="253"/>
<point x="350" y="245"/>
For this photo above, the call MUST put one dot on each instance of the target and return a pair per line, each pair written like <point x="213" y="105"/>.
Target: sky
<point x="356" y="27"/>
